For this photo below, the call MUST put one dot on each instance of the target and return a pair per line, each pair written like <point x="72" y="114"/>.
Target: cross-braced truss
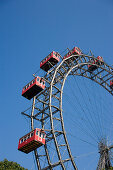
<point x="47" y="111"/>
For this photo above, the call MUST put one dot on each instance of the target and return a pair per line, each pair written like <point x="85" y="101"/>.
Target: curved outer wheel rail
<point x="47" y="109"/>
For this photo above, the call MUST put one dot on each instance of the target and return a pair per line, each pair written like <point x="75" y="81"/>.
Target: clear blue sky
<point x="29" y="31"/>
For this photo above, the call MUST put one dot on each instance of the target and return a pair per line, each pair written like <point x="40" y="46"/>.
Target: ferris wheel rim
<point x="61" y="91"/>
<point x="75" y="66"/>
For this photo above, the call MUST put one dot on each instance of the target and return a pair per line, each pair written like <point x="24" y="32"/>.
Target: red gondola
<point x="32" y="141"/>
<point x="52" y="59"/>
<point x="98" y="61"/>
<point x="33" y="88"/>
<point x="74" y="51"/>
<point x="111" y="84"/>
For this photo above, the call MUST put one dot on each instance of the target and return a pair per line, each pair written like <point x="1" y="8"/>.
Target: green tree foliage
<point x="9" y="165"/>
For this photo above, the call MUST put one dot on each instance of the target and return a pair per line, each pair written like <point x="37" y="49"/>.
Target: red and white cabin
<point x="52" y="59"/>
<point x="32" y="141"/>
<point x="74" y="51"/>
<point x="111" y="84"/>
<point x="98" y="61"/>
<point x="33" y="88"/>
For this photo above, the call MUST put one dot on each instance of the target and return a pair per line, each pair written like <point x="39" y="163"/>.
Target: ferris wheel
<point x="71" y="114"/>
